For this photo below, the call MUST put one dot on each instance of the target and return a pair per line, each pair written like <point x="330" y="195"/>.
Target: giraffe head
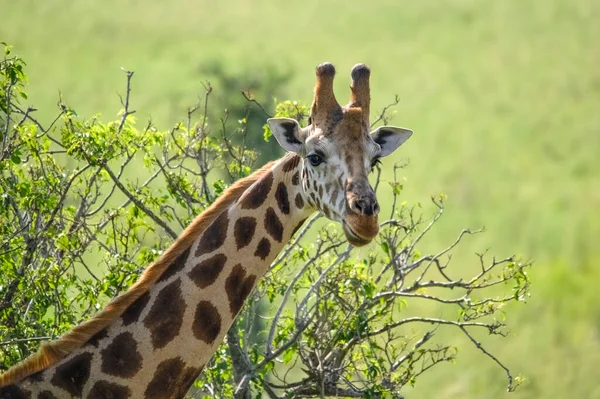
<point x="339" y="152"/>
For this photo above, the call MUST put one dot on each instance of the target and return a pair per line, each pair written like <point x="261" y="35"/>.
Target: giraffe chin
<point x="360" y="230"/>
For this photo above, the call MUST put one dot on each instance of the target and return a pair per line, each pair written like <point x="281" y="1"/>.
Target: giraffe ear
<point x="288" y="133"/>
<point x="390" y="138"/>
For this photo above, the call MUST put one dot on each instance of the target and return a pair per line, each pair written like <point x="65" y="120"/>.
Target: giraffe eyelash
<point x="374" y="163"/>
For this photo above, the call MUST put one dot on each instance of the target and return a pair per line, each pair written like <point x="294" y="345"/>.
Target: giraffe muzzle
<point x="360" y="229"/>
<point x="360" y="222"/>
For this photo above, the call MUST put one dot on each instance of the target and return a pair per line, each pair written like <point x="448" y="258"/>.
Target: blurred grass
<point x="503" y="96"/>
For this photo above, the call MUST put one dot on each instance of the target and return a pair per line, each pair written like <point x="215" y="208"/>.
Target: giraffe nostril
<point x="366" y="207"/>
<point x="358" y="205"/>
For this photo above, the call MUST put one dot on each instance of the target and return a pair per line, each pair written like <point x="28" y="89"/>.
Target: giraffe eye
<point x="314" y="159"/>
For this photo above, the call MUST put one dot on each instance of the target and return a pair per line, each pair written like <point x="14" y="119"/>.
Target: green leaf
<point x="267" y="134"/>
<point x="288" y="355"/>
<point x="385" y="247"/>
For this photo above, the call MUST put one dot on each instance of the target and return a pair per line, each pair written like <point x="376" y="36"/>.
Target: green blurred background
<point x="503" y="96"/>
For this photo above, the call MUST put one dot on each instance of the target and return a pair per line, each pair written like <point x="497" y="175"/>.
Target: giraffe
<point x="154" y="340"/>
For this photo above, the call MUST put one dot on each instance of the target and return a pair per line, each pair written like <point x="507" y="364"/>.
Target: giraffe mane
<point x="51" y="352"/>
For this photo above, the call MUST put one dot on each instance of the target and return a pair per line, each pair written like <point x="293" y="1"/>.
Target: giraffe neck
<point x="159" y="345"/>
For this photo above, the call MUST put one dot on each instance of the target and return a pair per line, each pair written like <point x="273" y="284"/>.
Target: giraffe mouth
<point x="353" y="237"/>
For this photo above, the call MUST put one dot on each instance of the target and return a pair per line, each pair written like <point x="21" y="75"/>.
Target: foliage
<point x="263" y="82"/>
<point x="287" y="109"/>
<point x="75" y="231"/>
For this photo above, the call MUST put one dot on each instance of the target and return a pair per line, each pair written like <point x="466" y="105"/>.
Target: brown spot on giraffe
<point x="296" y="178"/>
<point x="263" y="249"/>
<point x="291" y="163"/>
<point x="281" y="196"/>
<point x="238" y="287"/>
<point x="14" y="392"/>
<point x="214" y="236"/>
<point x="108" y="390"/>
<point x="273" y="225"/>
<point x="39" y="376"/>
<point x="334" y="197"/>
<point x="206" y="272"/>
<point x="46" y="395"/>
<point x="257" y="195"/>
<point x="133" y="312"/>
<point x="207" y="322"/>
<point x="299" y="201"/>
<point x="96" y="338"/>
<point x="121" y="358"/>
<point x="171" y="379"/>
<point x="165" y="378"/>
<point x="176" y="266"/>
<point x="298" y="226"/>
<point x="305" y="182"/>
<point x="165" y="318"/>
<point x="243" y="231"/>
<point x="187" y="379"/>
<point x="73" y="374"/>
